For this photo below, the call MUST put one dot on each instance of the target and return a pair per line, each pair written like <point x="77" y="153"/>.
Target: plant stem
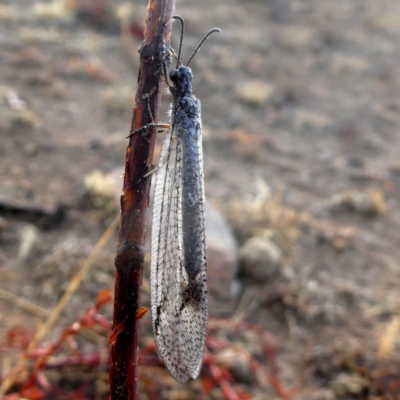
<point x="130" y="253"/>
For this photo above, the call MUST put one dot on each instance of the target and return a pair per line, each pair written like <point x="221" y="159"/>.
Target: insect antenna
<point x="201" y="43"/>
<point x="179" y="18"/>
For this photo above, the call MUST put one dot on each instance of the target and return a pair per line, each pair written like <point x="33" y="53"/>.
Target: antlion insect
<point x="179" y="305"/>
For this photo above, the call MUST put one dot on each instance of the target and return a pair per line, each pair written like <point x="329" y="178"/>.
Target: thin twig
<point x="130" y="253"/>
<point x="24" y="304"/>
<point x="43" y="312"/>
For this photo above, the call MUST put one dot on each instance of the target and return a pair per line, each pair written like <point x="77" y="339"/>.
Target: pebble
<point x="370" y="202"/>
<point x="254" y="92"/>
<point x="259" y="259"/>
<point x="222" y="264"/>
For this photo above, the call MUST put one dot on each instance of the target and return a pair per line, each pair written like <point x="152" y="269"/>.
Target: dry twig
<point x="130" y="254"/>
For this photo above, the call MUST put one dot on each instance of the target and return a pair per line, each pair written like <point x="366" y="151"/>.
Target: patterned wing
<point x="166" y="255"/>
<point x="178" y="302"/>
<point x="194" y="309"/>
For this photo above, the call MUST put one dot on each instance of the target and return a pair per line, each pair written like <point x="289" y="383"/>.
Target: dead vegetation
<point x="300" y="111"/>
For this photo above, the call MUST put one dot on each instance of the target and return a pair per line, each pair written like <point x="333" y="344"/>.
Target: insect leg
<point x="146" y="127"/>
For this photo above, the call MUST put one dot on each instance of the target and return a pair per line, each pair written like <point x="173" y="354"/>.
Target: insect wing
<point x="194" y="309"/>
<point x="179" y="327"/>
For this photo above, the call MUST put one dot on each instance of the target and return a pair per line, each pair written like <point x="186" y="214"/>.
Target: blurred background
<point x="300" y="104"/>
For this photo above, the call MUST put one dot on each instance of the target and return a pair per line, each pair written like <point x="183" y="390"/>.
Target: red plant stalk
<point x="226" y="387"/>
<point x="42" y="355"/>
<point x="130" y="252"/>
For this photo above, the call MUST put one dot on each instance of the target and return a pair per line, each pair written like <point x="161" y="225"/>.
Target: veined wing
<point x="194" y="308"/>
<point x="178" y="301"/>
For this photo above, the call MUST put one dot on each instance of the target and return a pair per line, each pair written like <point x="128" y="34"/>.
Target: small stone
<point x="371" y="202"/>
<point x="221" y="256"/>
<point x="29" y="236"/>
<point x="101" y="186"/>
<point x="345" y="384"/>
<point x="259" y="259"/>
<point x="18" y="119"/>
<point x="254" y="92"/>
<point x="237" y="364"/>
<point x="99" y="195"/>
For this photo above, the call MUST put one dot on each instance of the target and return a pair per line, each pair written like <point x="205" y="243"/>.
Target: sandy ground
<point x="300" y="104"/>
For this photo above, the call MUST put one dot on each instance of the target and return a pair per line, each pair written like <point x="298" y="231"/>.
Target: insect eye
<point x="174" y="75"/>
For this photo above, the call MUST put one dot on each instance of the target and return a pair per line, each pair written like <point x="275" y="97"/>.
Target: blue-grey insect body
<point x="178" y="266"/>
<point x="187" y="123"/>
<point x="178" y="278"/>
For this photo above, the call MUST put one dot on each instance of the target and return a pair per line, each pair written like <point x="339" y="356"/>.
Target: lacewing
<point x="178" y="278"/>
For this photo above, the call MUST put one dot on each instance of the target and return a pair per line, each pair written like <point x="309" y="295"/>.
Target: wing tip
<point x="182" y="376"/>
<point x="182" y="372"/>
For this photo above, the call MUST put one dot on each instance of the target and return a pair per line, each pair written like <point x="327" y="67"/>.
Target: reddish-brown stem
<point x="130" y="254"/>
<point x="224" y="384"/>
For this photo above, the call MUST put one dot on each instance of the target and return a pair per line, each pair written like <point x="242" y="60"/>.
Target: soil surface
<point x="300" y="106"/>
